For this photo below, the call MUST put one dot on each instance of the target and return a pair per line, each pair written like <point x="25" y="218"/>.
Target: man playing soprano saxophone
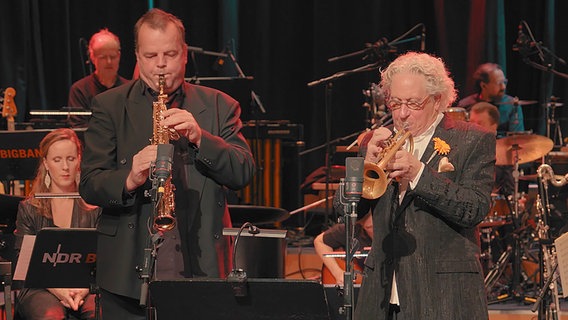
<point x="423" y="263"/>
<point x="210" y="156"/>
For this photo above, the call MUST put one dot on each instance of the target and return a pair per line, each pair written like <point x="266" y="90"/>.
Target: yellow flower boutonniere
<point x="441" y="146"/>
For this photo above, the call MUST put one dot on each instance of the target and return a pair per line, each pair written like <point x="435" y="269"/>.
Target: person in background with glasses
<point x="104" y="54"/>
<point x="424" y="260"/>
<point x="490" y="86"/>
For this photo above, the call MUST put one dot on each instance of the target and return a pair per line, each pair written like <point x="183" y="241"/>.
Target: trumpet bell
<point x="374" y="181"/>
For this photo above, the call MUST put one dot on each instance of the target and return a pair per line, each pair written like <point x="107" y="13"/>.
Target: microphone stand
<point x="205" y="52"/>
<point x="328" y="97"/>
<point x="257" y="196"/>
<point x="383" y="46"/>
<point x="255" y="101"/>
<point x="153" y="242"/>
<point x="147" y="270"/>
<point x="351" y="246"/>
<point x="546" y="66"/>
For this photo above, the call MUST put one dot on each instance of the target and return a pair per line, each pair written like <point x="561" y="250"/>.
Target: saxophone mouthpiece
<point x="161" y="83"/>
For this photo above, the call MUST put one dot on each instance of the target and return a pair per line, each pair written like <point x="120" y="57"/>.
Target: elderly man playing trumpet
<point x="423" y="263"/>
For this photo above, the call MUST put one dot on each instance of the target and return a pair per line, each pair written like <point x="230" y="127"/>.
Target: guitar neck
<point x="328" y="278"/>
<point x="11" y="124"/>
<point x="9" y="108"/>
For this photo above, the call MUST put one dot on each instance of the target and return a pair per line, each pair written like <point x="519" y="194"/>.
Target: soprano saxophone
<point x="164" y="219"/>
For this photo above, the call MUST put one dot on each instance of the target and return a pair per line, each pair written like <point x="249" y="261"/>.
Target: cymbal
<point x="518" y="102"/>
<point x="527" y="147"/>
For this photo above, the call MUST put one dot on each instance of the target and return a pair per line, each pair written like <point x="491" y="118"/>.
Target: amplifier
<point x="275" y="145"/>
<point x="273" y="129"/>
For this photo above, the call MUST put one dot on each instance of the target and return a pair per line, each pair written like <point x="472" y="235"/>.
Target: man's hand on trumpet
<point x="402" y="166"/>
<point x="377" y="144"/>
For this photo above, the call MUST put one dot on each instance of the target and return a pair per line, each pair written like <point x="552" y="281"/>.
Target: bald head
<point x="103" y="40"/>
<point x="104" y="51"/>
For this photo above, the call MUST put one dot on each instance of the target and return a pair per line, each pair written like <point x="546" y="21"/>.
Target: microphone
<point x="220" y="61"/>
<point x="521" y="39"/>
<point x="523" y="43"/>
<point x="353" y="189"/>
<point x="423" y="39"/>
<point x="163" y="165"/>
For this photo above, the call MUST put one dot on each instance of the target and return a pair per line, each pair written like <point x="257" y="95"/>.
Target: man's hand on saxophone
<point x="184" y="123"/>
<point x="140" y="167"/>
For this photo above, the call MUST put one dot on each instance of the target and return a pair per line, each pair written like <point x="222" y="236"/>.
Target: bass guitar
<point x="9" y="108"/>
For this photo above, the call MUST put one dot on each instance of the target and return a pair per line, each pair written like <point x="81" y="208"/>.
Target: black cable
<point x="84" y="45"/>
<point x="238" y="277"/>
<point x="252" y="230"/>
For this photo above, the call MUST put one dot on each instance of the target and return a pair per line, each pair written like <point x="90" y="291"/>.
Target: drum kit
<point x="457" y="113"/>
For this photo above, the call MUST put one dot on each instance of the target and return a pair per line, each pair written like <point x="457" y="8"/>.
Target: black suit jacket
<point x="441" y="277"/>
<point x="120" y="126"/>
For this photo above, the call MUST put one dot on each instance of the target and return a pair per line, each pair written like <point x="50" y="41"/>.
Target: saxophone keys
<point x="174" y="134"/>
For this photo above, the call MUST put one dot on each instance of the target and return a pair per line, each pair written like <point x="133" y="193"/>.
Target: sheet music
<point x="561" y="244"/>
<point x="25" y="257"/>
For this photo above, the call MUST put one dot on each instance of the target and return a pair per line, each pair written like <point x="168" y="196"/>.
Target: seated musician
<point x="58" y="172"/>
<point x="104" y="54"/>
<point x="491" y="86"/>
<point x="487" y="115"/>
<point x="334" y="239"/>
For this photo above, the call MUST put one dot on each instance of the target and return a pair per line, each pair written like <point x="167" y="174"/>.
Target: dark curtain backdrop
<point x="285" y="45"/>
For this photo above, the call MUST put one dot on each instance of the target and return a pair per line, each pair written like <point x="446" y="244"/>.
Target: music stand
<point x="58" y="258"/>
<point x="8" y="212"/>
<point x="260" y="255"/>
<point x="275" y="299"/>
<point x="21" y="150"/>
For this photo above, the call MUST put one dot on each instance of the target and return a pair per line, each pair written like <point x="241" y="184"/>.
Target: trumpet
<point x="375" y="179"/>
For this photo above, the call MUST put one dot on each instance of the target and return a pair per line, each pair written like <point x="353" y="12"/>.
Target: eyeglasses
<point x="504" y="82"/>
<point x="396" y="103"/>
<point x="107" y="56"/>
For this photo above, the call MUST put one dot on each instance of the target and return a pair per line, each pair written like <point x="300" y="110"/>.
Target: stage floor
<point x="516" y="310"/>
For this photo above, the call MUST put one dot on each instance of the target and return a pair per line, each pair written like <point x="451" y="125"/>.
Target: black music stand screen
<point x="275" y="299"/>
<point x="60" y="258"/>
<point x="19" y="153"/>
